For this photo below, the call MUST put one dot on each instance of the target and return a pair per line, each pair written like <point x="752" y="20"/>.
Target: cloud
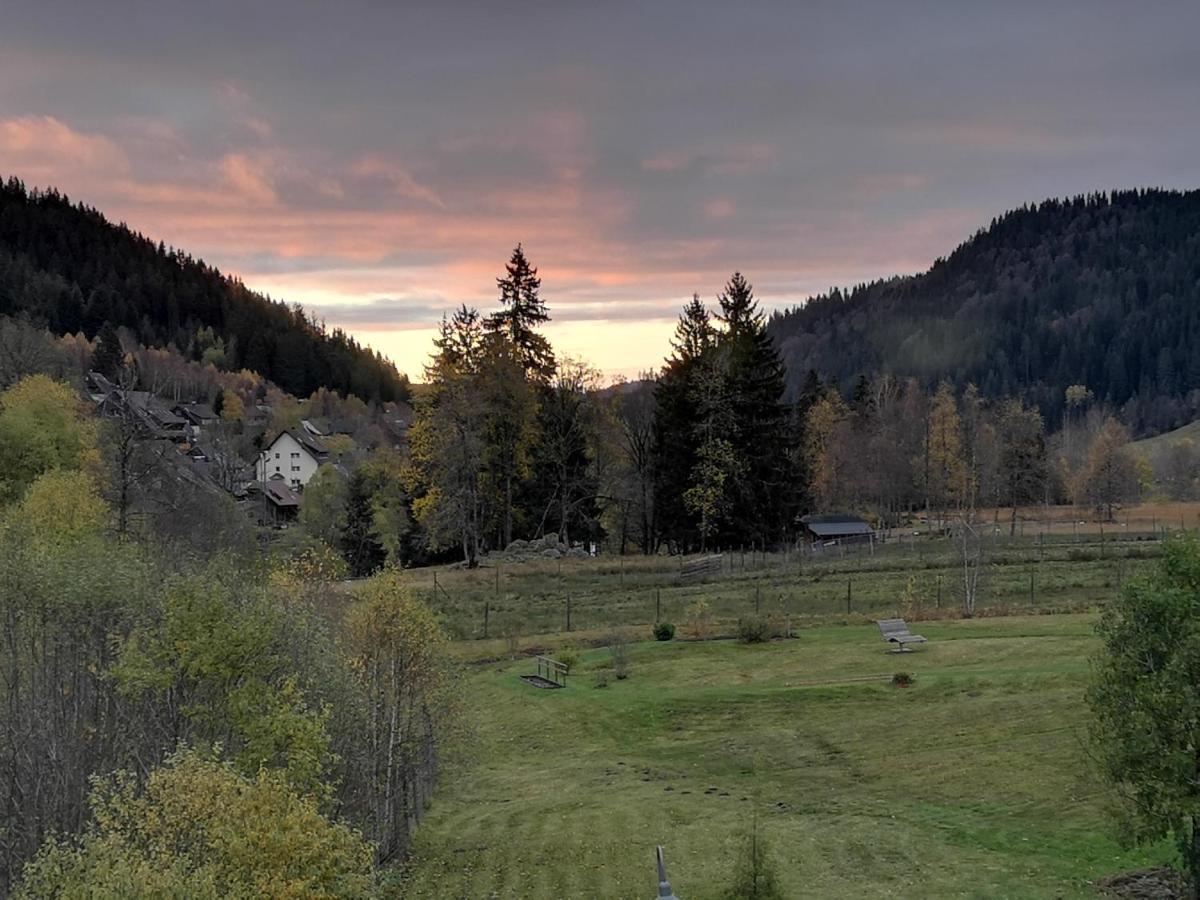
<point x="248" y="178"/>
<point x="45" y="149"/>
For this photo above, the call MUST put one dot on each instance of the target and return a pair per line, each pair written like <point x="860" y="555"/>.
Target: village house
<point x="293" y="456"/>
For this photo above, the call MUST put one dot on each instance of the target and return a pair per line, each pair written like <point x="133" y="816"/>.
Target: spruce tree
<point x="109" y="357"/>
<point x="758" y="435"/>
<point x="676" y="442"/>
<point x="360" y="544"/>
<point x="523" y="312"/>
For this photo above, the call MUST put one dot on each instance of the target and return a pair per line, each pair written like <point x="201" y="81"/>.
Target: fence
<point x="900" y="573"/>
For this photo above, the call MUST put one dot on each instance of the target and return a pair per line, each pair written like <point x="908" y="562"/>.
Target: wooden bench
<point x="895" y="631"/>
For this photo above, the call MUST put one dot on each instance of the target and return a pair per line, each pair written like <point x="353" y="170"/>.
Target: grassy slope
<point x="1150" y="448"/>
<point x="973" y="783"/>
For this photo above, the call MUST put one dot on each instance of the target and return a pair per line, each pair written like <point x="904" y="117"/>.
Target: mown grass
<point x="972" y="783"/>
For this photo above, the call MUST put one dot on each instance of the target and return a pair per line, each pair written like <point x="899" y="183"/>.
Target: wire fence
<point x="917" y="575"/>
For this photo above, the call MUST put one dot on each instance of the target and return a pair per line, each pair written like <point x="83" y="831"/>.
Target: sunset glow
<point x="381" y="202"/>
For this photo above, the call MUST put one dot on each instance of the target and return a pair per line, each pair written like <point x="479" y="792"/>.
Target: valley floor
<point x="974" y="782"/>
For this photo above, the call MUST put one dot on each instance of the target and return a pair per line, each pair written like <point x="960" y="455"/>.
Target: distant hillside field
<point x="67" y="268"/>
<point x="1102" y="290"/>
<point x="1151" y="448"/>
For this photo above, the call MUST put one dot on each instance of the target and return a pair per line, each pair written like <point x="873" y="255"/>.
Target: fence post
<point x="757" y="591"/>
<point x="485" y="619"/>
<point x="939" y="591"/>
<point x="848" y="580"/>
<point x="657" y="605"/>
<point x="1031" y="600"/>
<point x="435" y="587"/>
<point x="568" y="612"/>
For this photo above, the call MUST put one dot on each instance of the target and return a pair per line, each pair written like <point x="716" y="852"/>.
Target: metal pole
<point x="847" y="595"/>
<point x="657" y="605"/>
<point x="568" y="612"/>
<point x="664" y="886"/>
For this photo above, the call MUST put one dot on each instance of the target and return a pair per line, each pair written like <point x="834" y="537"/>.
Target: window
<point x="295" y="456"/>
<point x="295" y="468"/>
<point x="277" y="468"/>
<point x="277" y="456"/>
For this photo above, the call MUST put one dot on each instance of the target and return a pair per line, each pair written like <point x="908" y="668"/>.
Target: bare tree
<point x="969" y="543"/>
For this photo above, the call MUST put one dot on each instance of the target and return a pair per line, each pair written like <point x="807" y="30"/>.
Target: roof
<point x="835" y="524"/>
<point x="305" y="440"/>
<point x="280" y="494"/>
<point x="198" y="411"/>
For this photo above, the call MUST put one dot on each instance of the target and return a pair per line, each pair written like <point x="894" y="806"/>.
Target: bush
<point x="664" y="631"/>
<point x="601" y="678"/>
<point x="753" y="629"/>
<point x="699" y="620"/>
<point x="902" y="679"/>
<point x="568" y="656"/>
<point x="619" y="648"/>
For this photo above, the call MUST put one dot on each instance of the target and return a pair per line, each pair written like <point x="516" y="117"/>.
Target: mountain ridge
<point x="1100" y="289"/>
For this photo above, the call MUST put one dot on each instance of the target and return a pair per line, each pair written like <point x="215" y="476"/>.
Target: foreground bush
<point x="664" y="631"/>
<point x="198" y="829"/>
<point x="754" y="630"/>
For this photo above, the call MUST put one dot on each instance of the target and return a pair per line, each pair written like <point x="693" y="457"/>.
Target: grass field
<point x="972" y="783"/>
<point x="1060" y="573"/>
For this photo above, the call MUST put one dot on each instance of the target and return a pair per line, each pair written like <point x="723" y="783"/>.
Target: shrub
<point x="699" y="620"/>
<point x="902" y="679"/>
<point x="601" y="678"/>
<point x="664" y="631"/>
<point x="755" y="877"/>
<point x="568" y="656"/>
<point x="753" y="629"/>
<point x="619" y="648"/>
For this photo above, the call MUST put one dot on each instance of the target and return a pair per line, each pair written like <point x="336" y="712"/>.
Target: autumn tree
<point x="945" y="471"/>
<point x="43" y="426"/>
<point x="509" y="402"/>
<point x="197" y="828"/>
<point x="400" y="660"/>
<point x="824" y="467"/>
<point x="1022" y="463"/>
<point x="1109" y="476"/>
<point x="568" y="418"/>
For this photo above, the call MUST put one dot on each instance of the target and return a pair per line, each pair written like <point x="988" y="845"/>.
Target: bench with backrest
<point x="895" y="631"/>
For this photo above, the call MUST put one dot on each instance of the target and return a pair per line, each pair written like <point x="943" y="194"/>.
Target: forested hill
<point x="70" y="269"/>
<point x="1102" y="290"/>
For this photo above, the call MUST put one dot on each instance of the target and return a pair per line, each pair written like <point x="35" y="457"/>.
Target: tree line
<point x="709" y="452"/>
<point x="65" y="267"/>
<point x="1098" y="289"/>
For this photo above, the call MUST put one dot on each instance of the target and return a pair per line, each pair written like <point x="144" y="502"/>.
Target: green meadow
<point x="973" y="782"/>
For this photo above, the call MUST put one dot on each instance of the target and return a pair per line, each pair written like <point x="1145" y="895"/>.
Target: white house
<point x="293" y="456"/>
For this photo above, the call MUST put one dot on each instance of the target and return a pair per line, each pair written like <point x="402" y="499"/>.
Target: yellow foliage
<point x="198" y="829"/>
<point x="44" y="425"/>
<point x="63" y="505"/>
<point x="232" y="408"/>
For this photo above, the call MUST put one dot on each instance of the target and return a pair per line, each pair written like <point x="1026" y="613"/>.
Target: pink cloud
<point x="42" y="148"/>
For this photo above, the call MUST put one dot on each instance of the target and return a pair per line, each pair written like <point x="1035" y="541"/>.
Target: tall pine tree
<point x="523" y="312"/>
<point x="676" y="442"/>
<point x="755" y="377"/>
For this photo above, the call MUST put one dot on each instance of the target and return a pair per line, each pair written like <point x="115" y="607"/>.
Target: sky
<point x="378" y="161"/>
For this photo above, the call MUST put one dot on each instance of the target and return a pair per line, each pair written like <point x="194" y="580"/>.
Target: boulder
<point x="551" y="553"/>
